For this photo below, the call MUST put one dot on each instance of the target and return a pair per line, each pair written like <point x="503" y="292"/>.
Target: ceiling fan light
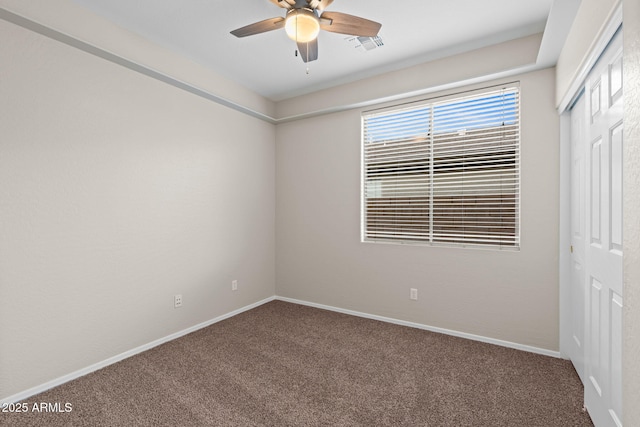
<point x="302" y="25"/>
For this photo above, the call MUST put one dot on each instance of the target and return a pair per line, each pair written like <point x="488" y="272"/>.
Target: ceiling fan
<point x="303" y="21"/>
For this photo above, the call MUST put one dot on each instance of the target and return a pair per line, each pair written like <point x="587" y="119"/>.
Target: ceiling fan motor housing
<point x="302" y="25"/>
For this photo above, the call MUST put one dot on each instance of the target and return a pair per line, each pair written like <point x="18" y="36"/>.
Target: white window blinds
<point x="445" y="172"/>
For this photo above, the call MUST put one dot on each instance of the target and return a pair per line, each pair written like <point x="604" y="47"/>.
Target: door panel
<point x="596" y="201"/>
<point x="594" y="359"/>
<point x="616" y="189"/>
<point x="615" y="370"/>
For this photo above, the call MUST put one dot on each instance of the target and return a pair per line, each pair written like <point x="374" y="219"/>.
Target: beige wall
<point x="511" y="296"/>
<point x="631" y="333"/>
<point x="117" y="192"/>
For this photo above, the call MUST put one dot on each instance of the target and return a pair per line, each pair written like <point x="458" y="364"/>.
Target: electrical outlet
<point x="234" y="285"/>
<point x="177" y="301"/>
<point x="413" y="294"/>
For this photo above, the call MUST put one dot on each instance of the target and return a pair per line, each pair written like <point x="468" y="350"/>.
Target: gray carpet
<point x="283" y="364"/>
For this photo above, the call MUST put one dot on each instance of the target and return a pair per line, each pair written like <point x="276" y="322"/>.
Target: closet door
<point x="603" y="239"/>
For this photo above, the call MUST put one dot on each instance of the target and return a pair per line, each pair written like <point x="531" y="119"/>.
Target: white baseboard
<point x="84" y="371"/>
<point x="110" y="361"/>
<point x="473" y="337"/>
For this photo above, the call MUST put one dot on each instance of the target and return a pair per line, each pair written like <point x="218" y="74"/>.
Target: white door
<point x="603" y="239"/>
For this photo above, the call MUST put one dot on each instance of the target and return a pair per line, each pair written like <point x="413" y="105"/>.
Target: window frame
<point x="431" y="103"/>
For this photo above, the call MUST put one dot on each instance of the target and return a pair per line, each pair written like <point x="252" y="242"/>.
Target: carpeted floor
<point x="283" y="364"/>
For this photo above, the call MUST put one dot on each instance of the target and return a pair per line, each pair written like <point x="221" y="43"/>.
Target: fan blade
<point x="319" y="4"/>
<point x="287" y="4"/>
<point x="342" y="23"/>
<point x="308" y="51"/>
<point x="259" y="27"/>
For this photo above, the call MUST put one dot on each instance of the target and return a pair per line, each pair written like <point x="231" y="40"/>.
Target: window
<point x="444" y="172"/>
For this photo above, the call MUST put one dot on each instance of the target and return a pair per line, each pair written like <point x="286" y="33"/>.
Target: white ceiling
<point x="413" y="31"/>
